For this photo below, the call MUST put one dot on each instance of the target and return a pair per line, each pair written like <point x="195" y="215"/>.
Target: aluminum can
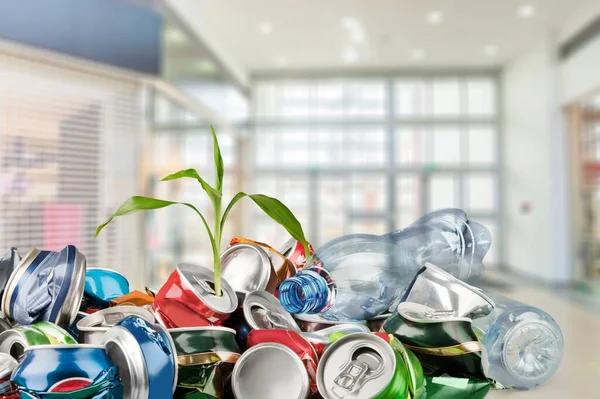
<point x="105" y="284"/>
<point x="441" y="291"/>
<point x="247" y="268"/>
<point x="294" y="341"/>
<point x="263" y="311"/>
<point x="8" y="263"/>
<point x="362" y="365"/>
<point x="282" y="266"/>
<point x="66" y="367"/>
<point x="146" y="358"/>
<point x="15" y="341"/>
<point x="27" y="298"/>
<point x="294" y="251"/>
<point x="72" y="329"/>
<point x="188" y="299"/>
<point x="206" y="357"/>
<point x="5" y="324"/>
<point x="270" y="371"/>
<point x="312" y="323"/>
<point x="443" y="342"/>
<point x="7" y="366"/>
<point x="237" y="322"/>
<point x="93" y="327"/>
<point x="134" y="298"/>
<point x="376" y="323"/>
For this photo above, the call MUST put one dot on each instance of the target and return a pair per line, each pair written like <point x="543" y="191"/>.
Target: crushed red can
<point x="188" y="299"/>
<point x="294" y="251"/>
<point x="294" y="341"/>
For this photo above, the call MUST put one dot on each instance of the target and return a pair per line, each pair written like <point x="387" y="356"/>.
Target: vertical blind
<point x="69" y="138"/>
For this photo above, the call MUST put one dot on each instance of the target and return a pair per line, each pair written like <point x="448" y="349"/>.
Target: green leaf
<point x="193" y="174"/>
<point x="219" y="168"/>
<point x="137" y="203"/>
<point x="276" y="210"/>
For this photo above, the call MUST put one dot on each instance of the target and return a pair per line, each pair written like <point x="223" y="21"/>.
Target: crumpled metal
<point x="106" y="386"/>
<point x="8" y="263"/>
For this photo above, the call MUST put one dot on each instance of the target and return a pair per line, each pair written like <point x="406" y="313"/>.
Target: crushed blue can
<point x="104" y="285"/>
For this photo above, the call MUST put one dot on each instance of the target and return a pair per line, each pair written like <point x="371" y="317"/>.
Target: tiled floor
<point x="579" y="318"/>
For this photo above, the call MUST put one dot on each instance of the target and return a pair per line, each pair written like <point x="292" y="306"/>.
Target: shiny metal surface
<point x="423" y="314"/>
<point x="313" y="322"/>
<point x="5" y="324"/>
<point x="200" y="280"/>
<point x="247" y="268"/>
<point x="439" y="290"/>
<point x="125" y="352"/>
<point x="263" y="311"/>
<point x="70" y="306"/>
<point x="356" y="366"/>
<point x="15" y="277"/>
<point x="8" y="263"/>
<point x="13" y="343"/>
<point x="284" y="377"/>
<point x="343" y="328"/>
<point x="7" y="365"/>
<point x="93" y="327"/>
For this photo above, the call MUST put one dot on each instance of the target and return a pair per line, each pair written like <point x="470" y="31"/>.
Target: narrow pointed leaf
<point x="219" y="168"/>
<point x="137" y="203"/>
<point x="193" y="174"/>
<point x="276" y="210"/>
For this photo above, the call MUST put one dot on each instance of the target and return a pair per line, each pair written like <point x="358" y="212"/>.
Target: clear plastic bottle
<point x="359" y="276"/>
<point x="523" y="344"/>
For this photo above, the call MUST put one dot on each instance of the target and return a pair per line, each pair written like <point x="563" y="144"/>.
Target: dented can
<point x="7" y="366"/>
<point x="311" y="323"/>
<point x="282" y="266"/>
<point x="263" y="311"/>
<point x="93" y="327"/>
<point x="295" y="252"/>
<point x="105" y="284"/>
<point x="188" y="299"/>
<point x="15" y="341"/>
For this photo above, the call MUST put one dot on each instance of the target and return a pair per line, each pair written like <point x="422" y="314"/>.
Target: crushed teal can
<point x="104" y="285"/>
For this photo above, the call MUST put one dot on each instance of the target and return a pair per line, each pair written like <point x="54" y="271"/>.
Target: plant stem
<point x="217" y="246"/>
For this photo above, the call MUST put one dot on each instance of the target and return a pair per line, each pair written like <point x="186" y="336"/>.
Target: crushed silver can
<point x="263" y="311"/>
<point x="93" y="327"/>
<point x="247" y="268"/>
<point x="8" y="263"/>
<point x="7" y="365"/>
<point x="270" y="371"/>
<point x="296" y="253"/>
<point x="313" y="323"/>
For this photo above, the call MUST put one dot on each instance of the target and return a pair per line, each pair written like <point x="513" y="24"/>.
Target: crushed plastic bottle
<point x="524" y="344"/>
<point x="359" y="276"/>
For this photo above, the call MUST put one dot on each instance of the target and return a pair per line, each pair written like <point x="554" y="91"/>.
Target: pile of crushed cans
<point x="73" y="332"/>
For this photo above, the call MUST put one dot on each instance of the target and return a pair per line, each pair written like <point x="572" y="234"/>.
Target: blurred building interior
<point x="360" y="116"/>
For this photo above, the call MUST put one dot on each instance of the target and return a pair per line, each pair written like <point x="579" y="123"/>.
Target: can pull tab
<point x="365" y="365"/>
<point x="440" y="314"/>
<point x="204" y="286"/>
<point x="112" y="319"/>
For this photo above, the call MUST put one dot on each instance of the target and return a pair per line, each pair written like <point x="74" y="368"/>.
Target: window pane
<point x="365" y="146"/>
<point x="480" y="192"/>
<point x="446" y="145"/>
<point x="412" y="98"/>
<point x="446" y="97"/>
<point x="365" y="99"/>
<point x="368" y="193"/>
<point x="481" y="97"/>
<point x="367" y="227"/>
<point x="442" y="192"/>
<point x="331" y="204"/>
<point x="330" y="99"/>
<point x="482" y="145"/>
<point x="411" y="146"/>
<point x="408" y="200"/>
<point x="295" y="99"/>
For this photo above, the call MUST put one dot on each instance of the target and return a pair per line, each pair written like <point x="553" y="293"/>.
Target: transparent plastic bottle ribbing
<point x="523" y="344"/>
<point x="358" y="276"/>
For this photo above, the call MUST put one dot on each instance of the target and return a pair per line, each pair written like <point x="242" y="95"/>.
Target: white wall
<point x="534" y="169"/>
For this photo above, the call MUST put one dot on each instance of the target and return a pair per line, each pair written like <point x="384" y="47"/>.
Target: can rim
<point x="64" y="346"/>
<point x="173" y="355"/>
<point x="225" y="287"/>
<point x="255" y="298"/>
<point x="265" y="276"/>
<point x="287" y="246"/>
<point x="305" y="388"/>
<point x="201" y="328"/>
<point x="108" y="270"/>
<point x="81" y="326"/>
<point x="16" y="276"/>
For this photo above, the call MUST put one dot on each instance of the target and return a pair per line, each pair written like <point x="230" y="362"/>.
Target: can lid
<point x="358" y="365"/>
<point x="246" y="267"/>
<point x="201" y="281"/>
<point x="263" y="311"/>
<point x="109" y="317"/>
<point x="285" y="375"/>
<point x="7" y="365"/>
<point x="124" y="351"/>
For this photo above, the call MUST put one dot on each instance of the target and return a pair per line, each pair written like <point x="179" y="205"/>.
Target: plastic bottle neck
<point x="306" y="292"/>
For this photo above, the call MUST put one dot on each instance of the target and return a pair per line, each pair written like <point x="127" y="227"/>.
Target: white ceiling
<point x="309" y="33"/>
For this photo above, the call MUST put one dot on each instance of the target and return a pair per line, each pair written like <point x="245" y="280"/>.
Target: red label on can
<point x="177" y="305"/>
<point x="296" y="342"/>
<point x="70" y="384"/>
<point x="298" y="256"/>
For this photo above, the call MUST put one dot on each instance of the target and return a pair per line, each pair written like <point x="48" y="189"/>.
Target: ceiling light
<point x="350" y="55"/>
<point x="417" y="54"/>
<point x="280" y="61"/>
<point x="435" y="17"/>
<point x="355" y="29"/>
<point x="526" y="11"/>
<point x="490" y="50"/>
<point x="265" y="28"/>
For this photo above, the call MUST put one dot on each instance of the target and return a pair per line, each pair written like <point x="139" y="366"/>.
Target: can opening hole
<point x="17" y="350"/>
<point x="370" y="357"/>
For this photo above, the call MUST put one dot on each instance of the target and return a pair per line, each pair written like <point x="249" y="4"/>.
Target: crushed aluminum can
<point x="146" y="357"/>
<point x="439" y="290"/>
<point x="282" y="266"/>
<point x="294" y="251"/>
<point x="5" y="324"/>
<point x="104" y="285"/>
<point x="46" y="286"/>
<point x="188" y="299"/>
<point x="134" y="298"/>
<point x="313" y="323"/>
<point x="66" y="368"/>
<point x="362" y="365"/>
<point x="252" y="380"/>
<point x="7" y="366"/>
<point x="8" y="263"/>
<point x="16" y="341"/>
<point x="72" y="329"/>
<point x="206" y="357"/>
<point x="93" y="327"/>
<point x="376" y="323"/>
<point x="263" y="311"/>
<point x="320" y="339"/>
<point x="441" y="341"/>
<point x="297" y="343"/>
<point x="247" y="268"/>
<point x="237" y="322"/>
